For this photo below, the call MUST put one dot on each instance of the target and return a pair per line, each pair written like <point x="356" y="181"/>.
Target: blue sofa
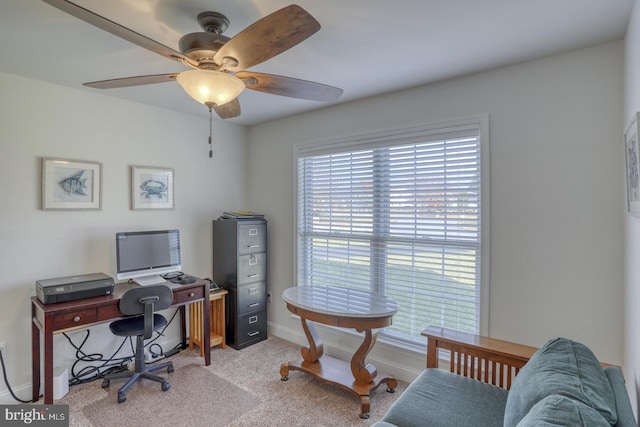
<point x="562" y="384"/>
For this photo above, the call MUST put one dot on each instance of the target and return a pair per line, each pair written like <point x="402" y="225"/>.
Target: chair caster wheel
<point x="105" y="383"/>
<point x="121" y="397"/>
<point x="165" y="385"/>
<point x="284" y="379"/>
<point x="364" y="416"/>
<point x="170" y="369"/>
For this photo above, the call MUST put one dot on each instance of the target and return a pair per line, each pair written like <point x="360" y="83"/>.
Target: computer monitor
<point x="140" y="254"/>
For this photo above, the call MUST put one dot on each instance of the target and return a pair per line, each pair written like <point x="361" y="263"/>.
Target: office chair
<point x="143" y="302"/>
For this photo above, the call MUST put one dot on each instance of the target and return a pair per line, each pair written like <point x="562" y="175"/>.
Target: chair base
<point x="136" y="375"/>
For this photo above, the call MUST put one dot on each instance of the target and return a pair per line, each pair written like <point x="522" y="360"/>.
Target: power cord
<point x="6" y="381"/>
<point x="111" y="364"/>
<point x="92" y="373"/>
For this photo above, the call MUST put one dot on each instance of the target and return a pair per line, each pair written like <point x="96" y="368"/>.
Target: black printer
<point x="71" y="288"/>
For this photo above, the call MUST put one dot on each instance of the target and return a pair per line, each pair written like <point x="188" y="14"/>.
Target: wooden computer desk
<point x="67" y="316"/>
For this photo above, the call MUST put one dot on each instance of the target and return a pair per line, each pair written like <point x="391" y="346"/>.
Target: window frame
<point x="406" y="135"/>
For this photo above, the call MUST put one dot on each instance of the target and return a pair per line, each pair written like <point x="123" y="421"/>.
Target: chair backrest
<point x="146" y="300"/>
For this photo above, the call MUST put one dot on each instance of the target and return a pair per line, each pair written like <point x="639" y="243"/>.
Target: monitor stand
<point x="153" y="279"/>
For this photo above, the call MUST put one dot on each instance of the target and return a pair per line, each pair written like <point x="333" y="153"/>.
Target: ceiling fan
<point x="221" y="60"/>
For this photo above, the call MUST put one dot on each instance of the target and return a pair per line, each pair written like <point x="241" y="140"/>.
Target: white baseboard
<point x="23" y="392"/>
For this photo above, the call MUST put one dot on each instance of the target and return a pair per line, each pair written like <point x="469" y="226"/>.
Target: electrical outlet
<point x="269" y="296"/>
<point x="3" y="350"/>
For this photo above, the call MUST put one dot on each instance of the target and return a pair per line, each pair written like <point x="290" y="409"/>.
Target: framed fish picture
<point x="151" y="188"/>
<point x="71" y="184"/>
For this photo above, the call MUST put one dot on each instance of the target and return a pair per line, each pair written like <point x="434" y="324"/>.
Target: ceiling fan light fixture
<point x="210" y="87"/>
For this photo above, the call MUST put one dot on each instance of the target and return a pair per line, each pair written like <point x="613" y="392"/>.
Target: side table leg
<point x="365" y="407"/>
<point x="315" y="349"/>
<point x="363" y="372"/>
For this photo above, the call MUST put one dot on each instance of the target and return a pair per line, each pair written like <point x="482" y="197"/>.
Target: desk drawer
<point x="75" y="318"/>
<point x="185" y="295"/>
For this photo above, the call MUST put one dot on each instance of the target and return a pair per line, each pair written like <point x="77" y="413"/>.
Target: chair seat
<point x="133" y="326"/>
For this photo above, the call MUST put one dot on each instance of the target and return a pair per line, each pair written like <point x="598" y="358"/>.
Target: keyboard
<point x="149" y="280"/>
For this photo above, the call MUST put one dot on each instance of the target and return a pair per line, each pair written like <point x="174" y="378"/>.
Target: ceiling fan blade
<point x="266" y="38"/>
<point x="118" y="30"/>
<point x="229" y="110"/>
<point x="288" y="86"/>
<point x="132" y="81"/>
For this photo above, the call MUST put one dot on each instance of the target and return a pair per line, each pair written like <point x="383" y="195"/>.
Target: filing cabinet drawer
<point x="252" y="268"/>
<point x="252" y="327"/>
<point x="252" y="297"/>
<point x="75" y="318"/>
<point x="252" y="238"/>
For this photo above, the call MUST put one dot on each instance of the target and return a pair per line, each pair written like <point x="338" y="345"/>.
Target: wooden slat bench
<point x="486" y="359"/>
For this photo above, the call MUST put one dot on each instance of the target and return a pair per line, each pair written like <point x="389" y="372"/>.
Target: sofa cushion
<point x="439" y="398"/>
<point x="561" y="367"/>
<point x="556" y="410"/>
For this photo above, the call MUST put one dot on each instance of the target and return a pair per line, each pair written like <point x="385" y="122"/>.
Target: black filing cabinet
<point x="240" y="266"/>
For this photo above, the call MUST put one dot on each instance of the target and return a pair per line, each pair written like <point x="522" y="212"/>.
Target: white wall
<point x="43" y="120"/>
<point x="556" y="194"/>
<point x="632" y="224"/>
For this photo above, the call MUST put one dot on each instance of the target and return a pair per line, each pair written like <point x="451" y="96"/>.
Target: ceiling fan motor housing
<point x="201" y="47"/>
<point x="213" y="22"/>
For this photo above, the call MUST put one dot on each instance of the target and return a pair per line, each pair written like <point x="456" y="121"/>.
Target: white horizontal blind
<point x="401" y="219"/>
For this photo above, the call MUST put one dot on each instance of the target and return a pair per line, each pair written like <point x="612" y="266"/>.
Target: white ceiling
<point x="366" y="47"/>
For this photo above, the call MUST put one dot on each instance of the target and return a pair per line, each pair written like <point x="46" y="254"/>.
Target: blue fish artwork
<point x="152" y="187"/>
<point x="74" y="184"/>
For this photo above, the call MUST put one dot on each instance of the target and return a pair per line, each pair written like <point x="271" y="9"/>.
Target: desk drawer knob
<point x="191" y="294"/>
<point x="76" y="319"/>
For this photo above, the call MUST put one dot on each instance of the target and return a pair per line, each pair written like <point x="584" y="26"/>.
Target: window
<point x="398" y="213"/>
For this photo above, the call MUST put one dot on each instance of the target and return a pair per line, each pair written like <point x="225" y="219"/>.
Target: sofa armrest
<point x="486" y="359"/>
<point x="623" y="405"/>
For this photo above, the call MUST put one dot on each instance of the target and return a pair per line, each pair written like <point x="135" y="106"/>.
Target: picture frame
<point x="632" y="156"/>
<point x="71" y="184"/>
<point x="151" y="188"/>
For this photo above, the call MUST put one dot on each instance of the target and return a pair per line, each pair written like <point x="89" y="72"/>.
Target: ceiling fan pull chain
<point x="210" y="131"/>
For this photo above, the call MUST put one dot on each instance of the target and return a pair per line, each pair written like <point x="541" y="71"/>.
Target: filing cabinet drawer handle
<point x="251" y="276"/>
<point x="253" y="319"/>
<point x="253" y="246"/>
<point x="253" y="333"/>
<point x="255" y="304"/>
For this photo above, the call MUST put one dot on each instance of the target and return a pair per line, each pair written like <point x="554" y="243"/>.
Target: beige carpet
<point x="192" y="386"/>
<point x="240" y="388"/>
